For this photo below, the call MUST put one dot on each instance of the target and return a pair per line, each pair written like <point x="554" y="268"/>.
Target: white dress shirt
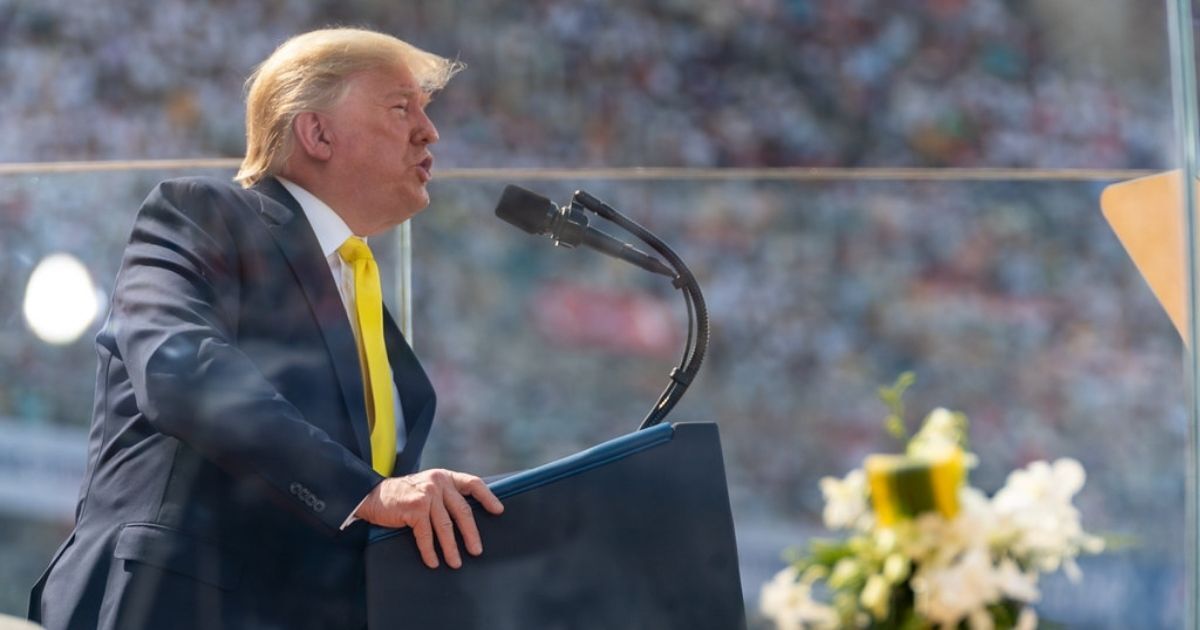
<point x="331" y="232"/>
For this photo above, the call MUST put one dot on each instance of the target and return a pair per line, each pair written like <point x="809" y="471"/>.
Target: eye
<point x="401" y="107"/>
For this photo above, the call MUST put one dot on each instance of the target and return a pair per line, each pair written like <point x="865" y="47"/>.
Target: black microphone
<point x="568" y="226"/>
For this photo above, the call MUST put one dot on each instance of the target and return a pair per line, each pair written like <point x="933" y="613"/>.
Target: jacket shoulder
<point x="202" y="188"/>
<point x="202" y="199"/>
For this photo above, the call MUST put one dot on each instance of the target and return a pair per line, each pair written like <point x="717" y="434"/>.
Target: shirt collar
<point x="331" y="230"/>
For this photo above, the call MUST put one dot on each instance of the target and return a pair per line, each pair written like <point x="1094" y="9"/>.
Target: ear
<point x="313" y="135"/>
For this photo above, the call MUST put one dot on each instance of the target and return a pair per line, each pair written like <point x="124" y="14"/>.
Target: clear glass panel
<point x="1012" y="301"/>
<point x="1007" y="294"/>
<point x="1183" y="82"/>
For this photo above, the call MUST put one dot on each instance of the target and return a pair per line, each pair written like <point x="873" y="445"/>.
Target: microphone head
<point x="526" y="209"/>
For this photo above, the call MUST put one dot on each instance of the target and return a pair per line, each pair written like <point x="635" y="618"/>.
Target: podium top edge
<point x="569" y="466"/>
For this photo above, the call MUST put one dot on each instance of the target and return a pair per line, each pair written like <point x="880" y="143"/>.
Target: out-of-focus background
<point x="1010" y="298"/>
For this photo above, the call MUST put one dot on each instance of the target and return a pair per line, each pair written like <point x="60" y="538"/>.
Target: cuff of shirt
<point x="352" y="518"/>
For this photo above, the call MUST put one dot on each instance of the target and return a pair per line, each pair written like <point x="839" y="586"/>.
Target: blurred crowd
<point x="1012" y="301"/>
<point x="671" y="83"/>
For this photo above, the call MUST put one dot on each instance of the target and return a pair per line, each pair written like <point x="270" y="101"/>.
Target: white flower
<point x="845" y="571"/>
<point x="1034" y="509"/>
<point x="980" y="620"/>
<point x="942" y="430"/>
<point x="1016" y="584"/>
<point x="885" y="539"/>
<point x="942" y="425"/>
<point x="1028" y="619"/>
<point x="846" y="501"/>
<point x="933" y="539"/>
<point x="875" y="596"/>
<point x="896" y="568"/>
<point x="1040" y="482"/>
<point x="991" y="552"/>
<point x="1071" y="570"/>
<point x="948" y="594"/>
<point x="788" y="602"/>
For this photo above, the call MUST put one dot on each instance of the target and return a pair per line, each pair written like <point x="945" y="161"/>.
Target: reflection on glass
<point x="61" y="301"/>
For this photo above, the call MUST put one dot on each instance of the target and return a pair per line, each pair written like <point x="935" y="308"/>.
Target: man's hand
<point x="432" y="502"/>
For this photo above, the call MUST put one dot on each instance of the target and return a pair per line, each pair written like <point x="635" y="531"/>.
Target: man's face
<point x="381" y="148"/>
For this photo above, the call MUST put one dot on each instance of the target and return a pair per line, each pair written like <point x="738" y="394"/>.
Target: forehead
<point x="386" y="82"/>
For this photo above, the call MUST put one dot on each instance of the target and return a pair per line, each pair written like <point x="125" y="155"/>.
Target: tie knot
<point x="354" y="250"/>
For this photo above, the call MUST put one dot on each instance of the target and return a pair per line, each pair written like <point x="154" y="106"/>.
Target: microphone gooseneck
<point x="568" y="226"/>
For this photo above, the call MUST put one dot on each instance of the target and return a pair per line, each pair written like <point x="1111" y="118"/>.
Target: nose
<point x="425" y="131"/>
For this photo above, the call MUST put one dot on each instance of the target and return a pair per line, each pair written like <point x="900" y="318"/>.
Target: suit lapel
<point x="288" y="225"/>
<point x="417" y="397"/>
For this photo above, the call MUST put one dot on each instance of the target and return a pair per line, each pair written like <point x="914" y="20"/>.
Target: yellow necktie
<point x="368" y="309"/>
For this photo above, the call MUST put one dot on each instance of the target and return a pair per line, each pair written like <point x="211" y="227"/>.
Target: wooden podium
<point x="635" y="533"/>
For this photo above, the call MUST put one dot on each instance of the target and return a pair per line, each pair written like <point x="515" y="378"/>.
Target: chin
<point x="409" y="211"/>
<point x="411" y="201"/>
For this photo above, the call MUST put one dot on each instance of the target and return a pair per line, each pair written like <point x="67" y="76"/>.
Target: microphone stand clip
<point x="569" y="224"/>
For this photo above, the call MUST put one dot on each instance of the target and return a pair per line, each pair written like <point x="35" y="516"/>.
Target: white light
<point x="60" y="300"/>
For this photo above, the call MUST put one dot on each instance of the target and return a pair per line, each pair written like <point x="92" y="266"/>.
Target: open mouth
<point x="425" y="168"/>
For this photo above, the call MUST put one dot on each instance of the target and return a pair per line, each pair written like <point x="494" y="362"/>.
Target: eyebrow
<point x="410" y="92"/>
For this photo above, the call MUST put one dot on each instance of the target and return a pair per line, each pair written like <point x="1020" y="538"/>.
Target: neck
<point x="341" y="201"/>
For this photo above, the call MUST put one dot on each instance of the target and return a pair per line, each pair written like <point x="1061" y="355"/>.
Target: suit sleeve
<point x="174" y="318"/>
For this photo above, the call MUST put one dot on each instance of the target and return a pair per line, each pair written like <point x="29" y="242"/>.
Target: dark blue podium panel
<point x="635" y="533"/>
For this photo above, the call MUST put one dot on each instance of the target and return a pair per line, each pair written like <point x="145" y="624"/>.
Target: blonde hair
<point x="309" y="72"/>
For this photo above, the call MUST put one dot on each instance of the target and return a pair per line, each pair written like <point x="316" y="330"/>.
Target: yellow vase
<point x="904" y="486"/>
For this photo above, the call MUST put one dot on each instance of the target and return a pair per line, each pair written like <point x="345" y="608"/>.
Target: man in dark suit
<point x="253" y="399"/>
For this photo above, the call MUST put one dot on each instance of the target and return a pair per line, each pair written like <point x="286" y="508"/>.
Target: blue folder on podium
<point x="635" y="533"/>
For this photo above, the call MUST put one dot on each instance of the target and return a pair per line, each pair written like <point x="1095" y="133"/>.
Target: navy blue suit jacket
<point x="229" y="440"/>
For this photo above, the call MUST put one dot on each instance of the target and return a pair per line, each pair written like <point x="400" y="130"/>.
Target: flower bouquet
<point x="925" y="549"/>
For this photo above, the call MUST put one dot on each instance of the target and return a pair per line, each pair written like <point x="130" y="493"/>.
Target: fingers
<point x="475" y="487"/>
<point x="424" y="536"/>
<point x="444" y="527"/>
<point x="433" y="503"/>
<point x="465" y="519"/>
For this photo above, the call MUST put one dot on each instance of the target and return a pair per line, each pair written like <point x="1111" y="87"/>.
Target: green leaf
<point x="1121" y="542"/>
<point x="893" y="398"/>
<point x="912" y="621"/>
<point x="1004" y="614"/>
<point x="792" y="555"/>
<point x="826" y="552"/>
